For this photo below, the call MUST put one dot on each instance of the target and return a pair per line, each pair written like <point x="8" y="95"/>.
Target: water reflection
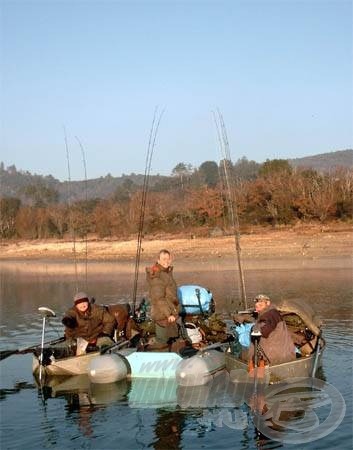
<point x="168" y="429"/>
<point x="118" y="416"/>
<point x="18" y="387"/>
<point x="146" y="393"/>
<point x="80" y="385"/>
<point x="176" y="410"/>
<point x="83" y="400"/>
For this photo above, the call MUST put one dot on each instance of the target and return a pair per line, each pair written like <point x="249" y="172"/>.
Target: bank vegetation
<point x="193" y="202"/>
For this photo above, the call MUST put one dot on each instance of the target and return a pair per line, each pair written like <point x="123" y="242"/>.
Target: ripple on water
<point x="67" y="422"/>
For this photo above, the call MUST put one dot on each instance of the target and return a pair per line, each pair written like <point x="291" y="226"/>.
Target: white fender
<point x="200" y="368"/>
<point x="107" y="369"/>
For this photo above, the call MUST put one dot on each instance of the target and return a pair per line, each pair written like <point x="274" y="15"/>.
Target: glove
<point x="255" y="334"/>
<point x="69" y="322"/>
<point x="256" y="329"/>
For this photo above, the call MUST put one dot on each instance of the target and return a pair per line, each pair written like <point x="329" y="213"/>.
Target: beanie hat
<point x="262" y="298"/>
<point x="81" y="297"/>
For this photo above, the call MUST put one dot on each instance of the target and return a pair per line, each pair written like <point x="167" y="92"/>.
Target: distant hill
<point x="13" y="183"/>
<point x="325" y="161"/>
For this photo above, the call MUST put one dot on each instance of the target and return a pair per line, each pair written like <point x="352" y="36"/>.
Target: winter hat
<point x="262" y="298"/>
<point x="81" y="297"/>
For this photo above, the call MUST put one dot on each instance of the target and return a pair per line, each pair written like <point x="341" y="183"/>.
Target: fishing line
<point x="149" y="153"/>
<point x="223" y="173"/>
<point x="231" y="199"/>
<point x="86" y="203"/>
<point x="234" y="208"/>
<point x="70" y="208"/>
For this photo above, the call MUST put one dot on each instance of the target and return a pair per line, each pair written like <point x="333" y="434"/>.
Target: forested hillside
<point x="22" y="184"/>
<point x="193" y="201"/>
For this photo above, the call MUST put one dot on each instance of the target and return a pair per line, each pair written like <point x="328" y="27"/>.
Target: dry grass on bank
<point x="310" y="240"/>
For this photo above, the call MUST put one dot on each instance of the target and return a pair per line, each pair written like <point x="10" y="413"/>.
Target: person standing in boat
<point x="275" y="344"/>
<point x="164" y="300"/>
<point x="90" y="322"/>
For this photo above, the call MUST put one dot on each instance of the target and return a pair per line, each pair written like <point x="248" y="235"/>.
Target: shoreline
<point x="107" y="268"/>
<point x="289" y="247"/>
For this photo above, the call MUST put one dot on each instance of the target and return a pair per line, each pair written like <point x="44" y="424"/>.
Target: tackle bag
<point x="193" y="332"/>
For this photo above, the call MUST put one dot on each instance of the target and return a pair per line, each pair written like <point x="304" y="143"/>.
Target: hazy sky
<point x="280" y="72"/>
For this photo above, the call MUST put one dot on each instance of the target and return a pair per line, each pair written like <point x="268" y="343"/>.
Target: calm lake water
<point x="129" y="415"/>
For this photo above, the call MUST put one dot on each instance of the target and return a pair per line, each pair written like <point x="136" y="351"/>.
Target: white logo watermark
<point x="289" y="414"/>
<point x="285" y="411"/>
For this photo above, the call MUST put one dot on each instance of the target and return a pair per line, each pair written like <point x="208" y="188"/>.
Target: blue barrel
<point x="195" y="299"/>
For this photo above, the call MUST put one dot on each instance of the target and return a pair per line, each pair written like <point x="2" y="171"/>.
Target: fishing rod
<point x="70" y="208"/>
<point x="149" y="153"/>
<point x="225" y="180"/>
<point x="86" y="200"/>
<point x="231" y="199"/>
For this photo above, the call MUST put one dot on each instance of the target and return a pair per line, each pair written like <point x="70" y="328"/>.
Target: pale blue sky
<point x="280" y="72"/>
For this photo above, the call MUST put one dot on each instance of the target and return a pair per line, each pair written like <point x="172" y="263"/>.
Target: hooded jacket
<point x="276" y="341"/>
<point x="94" y="322"/>
<point x="163" y="293"/>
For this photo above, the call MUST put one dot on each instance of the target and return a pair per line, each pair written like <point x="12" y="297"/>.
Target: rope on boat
<point x="150" y="149"/>
<point x="231" y="197"/>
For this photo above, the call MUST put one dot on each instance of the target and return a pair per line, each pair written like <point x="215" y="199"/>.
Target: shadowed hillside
<point x="32" y="188"/>
<point x="325" y="161"/>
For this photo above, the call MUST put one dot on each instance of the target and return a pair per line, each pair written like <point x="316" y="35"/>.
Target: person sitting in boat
<point x="90" y="322"/>
<point x="164" y="300"/>
<point x="275" y="344"/>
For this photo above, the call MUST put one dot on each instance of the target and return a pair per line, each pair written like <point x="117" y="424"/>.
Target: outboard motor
<point x="195" y="300"/>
